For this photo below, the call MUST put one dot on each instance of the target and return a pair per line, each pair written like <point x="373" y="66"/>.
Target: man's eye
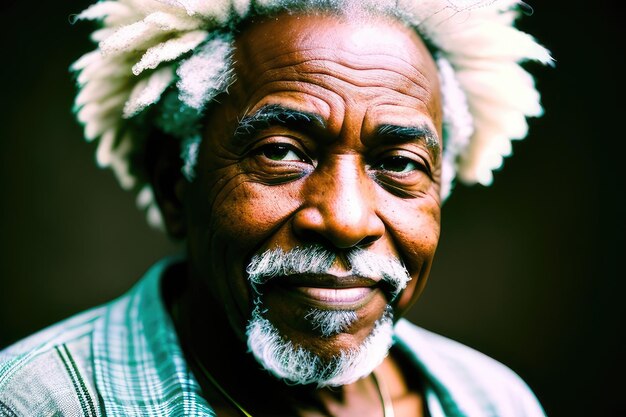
<point x="278" y="152"/>
<point x="398" y="164"/>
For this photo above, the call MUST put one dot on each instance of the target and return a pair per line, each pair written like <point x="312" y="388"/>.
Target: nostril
<point x="313" y="237"/>
<point x="367" y="240"/>
<point x="331" y="242"/>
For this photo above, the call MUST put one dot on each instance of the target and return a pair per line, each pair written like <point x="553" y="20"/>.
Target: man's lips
<point x="335" y="295"/>
<point x="328" y="291"/>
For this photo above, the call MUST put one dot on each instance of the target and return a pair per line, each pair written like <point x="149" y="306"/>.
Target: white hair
<point x="176" y="54"/>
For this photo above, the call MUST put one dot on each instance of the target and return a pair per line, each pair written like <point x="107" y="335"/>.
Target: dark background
<point x="527" y="270"/>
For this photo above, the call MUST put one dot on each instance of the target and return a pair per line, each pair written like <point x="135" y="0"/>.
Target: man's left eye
<point x="279" y="152"/>
<point x="398" y="164"/>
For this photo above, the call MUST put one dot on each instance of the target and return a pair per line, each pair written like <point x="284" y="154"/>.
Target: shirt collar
<point x="139" y="365"/>
<point x="461" y="382"/>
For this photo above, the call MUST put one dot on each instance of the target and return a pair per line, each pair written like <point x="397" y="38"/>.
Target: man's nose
<point x="339" y="207"/>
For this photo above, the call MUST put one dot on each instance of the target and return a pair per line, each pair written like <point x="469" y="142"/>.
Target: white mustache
<point x="316" y="259"/>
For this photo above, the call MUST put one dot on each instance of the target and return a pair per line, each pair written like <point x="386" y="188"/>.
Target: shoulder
<point x="51" y="372"/>
<point x="468" y="379"/>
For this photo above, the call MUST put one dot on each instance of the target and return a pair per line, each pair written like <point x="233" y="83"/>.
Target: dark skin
<point x="362" y="171"/>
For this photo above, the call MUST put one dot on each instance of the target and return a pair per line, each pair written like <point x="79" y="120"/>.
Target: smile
<point x="327" y="292"/>
<point x="335" y="295"/>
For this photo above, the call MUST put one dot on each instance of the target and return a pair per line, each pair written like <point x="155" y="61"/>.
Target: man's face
<point x="329" y="136"/>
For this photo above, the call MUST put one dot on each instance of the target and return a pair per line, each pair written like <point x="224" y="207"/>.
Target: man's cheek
<point x="417" y="243"/>
<point x="253" y="212"/>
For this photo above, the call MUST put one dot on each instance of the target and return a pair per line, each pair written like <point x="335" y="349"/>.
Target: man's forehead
<point x="338" y="61"/>
<point x="339" y="35"/>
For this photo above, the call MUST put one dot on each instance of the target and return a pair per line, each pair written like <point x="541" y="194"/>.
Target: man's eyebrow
<point x="277" y="115"/>
<point x="410" y="134"/>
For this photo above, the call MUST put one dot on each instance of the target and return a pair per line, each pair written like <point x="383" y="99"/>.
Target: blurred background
<point x="527" y="270"/>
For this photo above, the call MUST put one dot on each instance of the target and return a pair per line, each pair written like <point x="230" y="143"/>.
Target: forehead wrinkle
<point x="370" y="80"/>
<point x="354" y="63"/>
<point x="334" y="55"/>
<point x="356" y="70"/>
<point x="344" y="85"/>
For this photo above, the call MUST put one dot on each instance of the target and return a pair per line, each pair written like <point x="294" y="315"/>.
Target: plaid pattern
<point x="124" y="359"/>
<point x="132" y="363"/>
<point x="139" y="365"/>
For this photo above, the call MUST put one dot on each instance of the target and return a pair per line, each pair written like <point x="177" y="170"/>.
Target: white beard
<point x="300" y="366"/>
<point x="330" y="322"/>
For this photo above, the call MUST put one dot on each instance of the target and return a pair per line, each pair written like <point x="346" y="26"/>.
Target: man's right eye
<point x="280" y="152"/>
<point x="399" y="164"/>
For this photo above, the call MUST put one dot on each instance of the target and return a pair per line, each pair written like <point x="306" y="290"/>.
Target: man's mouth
<point x="335" y="295"/>
<point x="327" y="292"/>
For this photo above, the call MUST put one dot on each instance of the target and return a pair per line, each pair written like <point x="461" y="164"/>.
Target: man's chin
<point x="299" y="364"/>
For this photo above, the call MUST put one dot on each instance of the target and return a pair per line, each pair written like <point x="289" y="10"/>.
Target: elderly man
<point x="302" y="149"/>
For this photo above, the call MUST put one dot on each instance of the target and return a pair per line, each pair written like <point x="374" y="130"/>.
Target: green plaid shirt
<point x="124" y="359"/>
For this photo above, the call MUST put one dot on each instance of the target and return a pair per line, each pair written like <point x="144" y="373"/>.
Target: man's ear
<point x="164" y="168"/>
